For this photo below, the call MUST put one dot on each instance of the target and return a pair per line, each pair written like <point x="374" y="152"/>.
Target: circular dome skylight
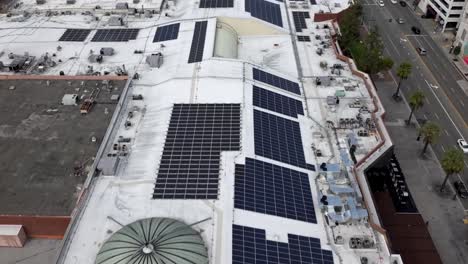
<point x="154" y="241"/>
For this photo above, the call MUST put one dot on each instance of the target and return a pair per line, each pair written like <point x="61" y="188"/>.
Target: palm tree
<point x="430" y="132"/>
<point x="403" y="72"/>
<point x="452" y="162"/>
<point x="416" y="101"/>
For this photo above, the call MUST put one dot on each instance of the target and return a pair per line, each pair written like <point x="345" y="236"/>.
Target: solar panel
<point x="276" y="81"/>
<point x="270" y="189"/>
<point x="303" y="38"/>
<point x="250" y="246"/>
<point x="167" y="32"/>
<point x="278" y="138"/>
<point x="277" y="102"/>
<point x="197" y="134"/>
<point x="115" y="35"/>
<point x="264" y="10"/>
<point x="75" y="35"/>
<point x="198" y="42"/>
<point x="216" y="3"/>
<point x="300" y="20"/>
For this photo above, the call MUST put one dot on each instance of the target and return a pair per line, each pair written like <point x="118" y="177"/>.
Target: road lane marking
<point x="442" y="147"/>
<point x="446" y="132"/>
<point x="461" y="102"/>
<point x="425" y="117"/>
<point x="445" y="110"/>
<point x="427" y="101"/>
<point x="466" y="164"/>
<point x="436" y="116"/>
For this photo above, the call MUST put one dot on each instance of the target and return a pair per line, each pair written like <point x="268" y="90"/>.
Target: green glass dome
<point x="154" y="241"/>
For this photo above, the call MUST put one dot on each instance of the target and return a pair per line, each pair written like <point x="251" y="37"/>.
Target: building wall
<point x="50" y="227"/>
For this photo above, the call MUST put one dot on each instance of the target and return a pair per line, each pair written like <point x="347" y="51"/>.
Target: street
<point x="433" y="74"/>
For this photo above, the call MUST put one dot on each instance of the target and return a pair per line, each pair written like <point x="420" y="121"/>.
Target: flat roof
<point x="46" y="146"/>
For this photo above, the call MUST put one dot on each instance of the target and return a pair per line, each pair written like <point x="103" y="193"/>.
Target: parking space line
<point x="466" y="164"/>
<point x="446" y="132"/>
<point x="461" y="102"/>
<point x="442" y="147"/>
<point x="437" y="116"/>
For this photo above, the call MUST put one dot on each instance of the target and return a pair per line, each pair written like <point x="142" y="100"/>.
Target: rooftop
<point x="47" y="146"/>
<point x="233" y="125"/>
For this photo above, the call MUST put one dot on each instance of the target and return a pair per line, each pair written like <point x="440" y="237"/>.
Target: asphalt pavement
<point x="433" y="74"/>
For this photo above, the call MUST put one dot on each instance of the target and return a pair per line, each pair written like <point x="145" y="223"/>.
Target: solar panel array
<point x="303" y="38"/>
<point x="277" y="102"/>
<point x="198" y="42"/>
<point x="216" y="3"/>
<point x="190" y="161"/>
<point x="276" y="81"/>
<point x="75" y="35"/>
<point x="270" y="189"/>
<point x="300" y="20"/>
<point x="278" y="138"/>
<point x="264" y="10"/>
<point x="250" y="246"/>
<point x="115" y="35"/>
<point x="167" y="32"/>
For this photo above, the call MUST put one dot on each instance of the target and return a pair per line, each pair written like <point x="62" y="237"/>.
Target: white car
<point x="381" y="3"/>
<point x="463" y="145"/>
<point x="393" y="1"/>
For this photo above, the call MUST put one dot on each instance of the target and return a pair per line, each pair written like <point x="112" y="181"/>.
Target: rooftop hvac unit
<point x="155" y="60"/>
<point x="107" y="51"/>
<point x="95" y="58"/>
<point x="121" y="5"/>
<point x="116" y="21"/>
<point x="40" y="2"/>
<point x="71" y="2"/>
<point x="70" y="99"/>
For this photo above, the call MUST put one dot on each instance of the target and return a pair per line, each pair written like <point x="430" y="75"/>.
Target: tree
<point x="431" y="133"/>
<point x="350" y="24"/>
<point x="457" y="50"/>
<point x="452" y="162"/>
<point x="373" y="46"/>
<point x="416" y="101"/>
<point x="403" y="72"/>
<point x="386" y="63"/>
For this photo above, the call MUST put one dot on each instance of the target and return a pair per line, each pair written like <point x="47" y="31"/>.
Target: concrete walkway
<point x="423" y="176"/>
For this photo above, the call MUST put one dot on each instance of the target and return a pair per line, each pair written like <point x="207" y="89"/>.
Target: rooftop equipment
<point x="155" y="60"/>
<point x="107" y="51"/>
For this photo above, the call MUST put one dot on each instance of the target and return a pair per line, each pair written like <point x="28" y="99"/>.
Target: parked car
<point x="400" y="20"/>
<point x="403" y="3"/>
<point x="421" y="51"/>
<point x="461" y="190"/>
<point x="381" y="3"/>
<point x="463" y="145"/>
<point x="416" y="30"/>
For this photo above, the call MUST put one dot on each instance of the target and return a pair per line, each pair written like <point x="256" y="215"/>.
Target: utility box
<point x="70" y="99"/>
<point x="95" y="58"/>
<point x="155" y="60"/>
<point x="107" y="51"/>
<point x="116" y="21"/>
<point x="121" y="5"/>
<point x="12" y="236"/>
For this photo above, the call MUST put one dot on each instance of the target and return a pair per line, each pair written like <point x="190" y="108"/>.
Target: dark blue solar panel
<point x="250" y="246"/>
<point x="276" y="102"/>
<point x="264" y="10"/>
<point x="216" y="3"/>
<point x="167" y="32"/>
<point x="198" y="42"/>
<point x="300" y="20"/>
<point x="115" y="35"/>
<point x="276" y="81"/>
<point x="270" y="189"/>
<point x="278" y="138"/>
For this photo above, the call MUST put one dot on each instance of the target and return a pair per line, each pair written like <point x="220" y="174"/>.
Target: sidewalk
<point x="423" y="175"/>
<point x="443" y="40"/>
